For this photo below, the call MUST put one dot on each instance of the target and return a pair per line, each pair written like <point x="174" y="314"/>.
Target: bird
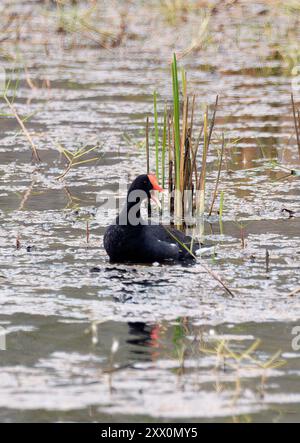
<point x="132" y="239"/>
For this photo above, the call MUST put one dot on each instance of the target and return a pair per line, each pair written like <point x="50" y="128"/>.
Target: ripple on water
<point x="49" y="298"/>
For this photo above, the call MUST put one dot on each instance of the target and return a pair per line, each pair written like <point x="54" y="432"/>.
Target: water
<point x="61" y="319"/>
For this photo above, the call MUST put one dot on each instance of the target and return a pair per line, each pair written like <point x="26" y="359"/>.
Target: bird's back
<point x="147" y="243"/>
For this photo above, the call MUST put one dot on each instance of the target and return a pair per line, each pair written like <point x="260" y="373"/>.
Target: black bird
<point x="132" y="239"/>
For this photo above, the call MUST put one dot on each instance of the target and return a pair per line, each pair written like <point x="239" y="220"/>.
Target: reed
<point x="187" y="157"/>
<point x="267" y="261"/>
<point x="156" y="128"/>
<point x="164" y="147"/>
<point x="213" y="274"/>
<point x="176" y="122"/>
<point x="218" y="177"/>
<point x="20" y="121"/>
<point x="147" y="145"/>
<point x="84" y="24"/>
<point x="294" y="292"/>
<point x="296" y="116"/>
<point x="202" y="180"/>
<point x="148" y="158"/>
<point x="221" y="206"/>
<point x="87" y="231"/>
<point x="18" y="243"/>
<point x="175" y="11"/>
<point x="248" y="359"/>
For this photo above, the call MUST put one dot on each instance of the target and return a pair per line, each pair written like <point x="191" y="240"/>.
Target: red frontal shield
<point x="154" y="183"/>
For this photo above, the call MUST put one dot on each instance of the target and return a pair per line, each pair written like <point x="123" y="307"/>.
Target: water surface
<point x="61" y="319"/>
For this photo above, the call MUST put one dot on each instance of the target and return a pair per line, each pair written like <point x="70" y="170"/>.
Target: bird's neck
<point x="130" y="215"/>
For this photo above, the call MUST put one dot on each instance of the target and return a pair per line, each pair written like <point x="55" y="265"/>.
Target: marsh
<point x="81" y="78"/>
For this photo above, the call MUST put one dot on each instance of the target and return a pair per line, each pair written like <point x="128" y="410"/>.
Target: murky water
<point x="180" y="337"/>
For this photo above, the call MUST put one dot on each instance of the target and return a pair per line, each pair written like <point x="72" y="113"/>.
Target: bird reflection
<point x="145" y="339"/>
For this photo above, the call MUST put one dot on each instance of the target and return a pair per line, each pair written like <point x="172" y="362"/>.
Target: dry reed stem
<point x="87" y="231"/>
<point x="24" y="129"/>
<point x="190" y="141"/>
<point x="183" y="140"/>
<point x="201" y="185"/>
<point x="205" y="267"/>
<point x="26" y="195"/>
<point x="296" y="123"/>
<point x="65" y="172"/>
<point x="194" y="155"/>
<point x="218" y="176"/>
<point x="294" y="292"/>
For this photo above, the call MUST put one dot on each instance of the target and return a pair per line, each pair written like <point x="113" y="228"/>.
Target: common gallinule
<point x="132" y="239"/>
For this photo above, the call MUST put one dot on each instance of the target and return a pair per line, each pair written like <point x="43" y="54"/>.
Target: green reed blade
<point x="176" y="121"/>
<point x="147" y="145"/>
<point x="183" y="79"/>
<point x="81" y="153"/>
<point x="156" y="135"/>
<point x="164" y="145"/>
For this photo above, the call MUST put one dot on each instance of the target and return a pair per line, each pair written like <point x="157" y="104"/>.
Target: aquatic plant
<point x="206" y="268"/>
<point x="227" y="362"/>
<point x="242" y="227"/>
<point x="221" y="206"/>
<point x="201" y="39"/>
<point x="134" y="142"/>
<point x="296" y="117"/>
<point x="274" y="163"/>
<point x="164" y="147"/>
<point x="10" y="103"/>
<point x="156" y="135"/>
<point x="81" y="22"/>
<point x="75" y="158"/>
<point x="175" y="10"/>
<point x="235" y="361"/>
<point x="183" y="173"/>
<point x="218" y="179"/>
<point x="294" y="292"/>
